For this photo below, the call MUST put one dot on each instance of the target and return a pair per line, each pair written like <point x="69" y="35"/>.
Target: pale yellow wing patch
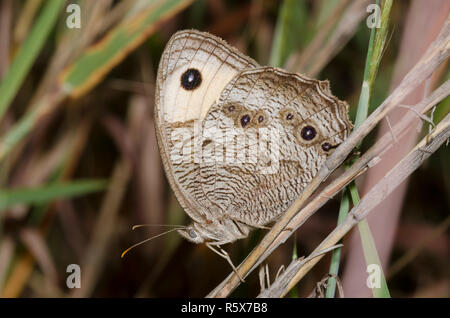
<point x="217" y="64"/>
<point x="177" y="107"/>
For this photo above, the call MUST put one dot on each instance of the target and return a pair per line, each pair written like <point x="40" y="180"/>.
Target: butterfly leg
<point x="259" y="226"/>
<point x="289" y="229"/>
<point x="221" y="252"/>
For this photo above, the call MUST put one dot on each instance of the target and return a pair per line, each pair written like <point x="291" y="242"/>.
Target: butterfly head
<point x="192" y="234"/>
<point x="215" y="231"/>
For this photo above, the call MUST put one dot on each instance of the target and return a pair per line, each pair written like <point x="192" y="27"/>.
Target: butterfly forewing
<point x="193" y="70"/>
<point x="281" y="122"/>
<point x="216" y="63"/>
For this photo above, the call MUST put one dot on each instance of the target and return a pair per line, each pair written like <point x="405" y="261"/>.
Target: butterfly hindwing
<point x="285" y="126"/>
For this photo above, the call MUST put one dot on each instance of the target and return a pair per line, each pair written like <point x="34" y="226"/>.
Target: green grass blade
<point x="369" y="248"/>
<point x="47" y="193"/>
<point x="28" y="53"/>
<point x="291" y="20"/>
<point x="361" y="115"/>
<point x="90" y="68"/>
<point x="374" y="54"/>
<point x="444" y="106"/>
<point x="93" y="65"/>
<point x="366" y="89"/>
<point x="367" y="241"/>
<point x="294" y="291"/>
<point x="336" y="255"/>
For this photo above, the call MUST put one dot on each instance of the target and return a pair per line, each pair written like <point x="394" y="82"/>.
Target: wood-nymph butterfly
<point x="239" y="141"/>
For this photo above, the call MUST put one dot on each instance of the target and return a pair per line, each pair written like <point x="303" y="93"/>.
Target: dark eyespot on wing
<point x="232" y="109"/>
<point x="206" y="142"/>
<point x="191" y="79"/>
<point x="289" y="117"/>
<point x="245" y="120"/>
<point x="326" y="146"/>
<point x="308" y="133"/>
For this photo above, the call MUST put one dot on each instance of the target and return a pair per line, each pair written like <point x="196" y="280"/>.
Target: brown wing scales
<point x="256" y="192"/>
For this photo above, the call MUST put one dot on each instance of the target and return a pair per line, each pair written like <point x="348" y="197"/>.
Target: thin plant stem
<point x="28" y="54"/>
<point x="374" y="53"/>
<point x="336" y="256"/>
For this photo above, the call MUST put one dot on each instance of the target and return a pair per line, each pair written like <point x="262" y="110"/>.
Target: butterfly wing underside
<point x="177" y="109"/>
<point x="273" y="110"/>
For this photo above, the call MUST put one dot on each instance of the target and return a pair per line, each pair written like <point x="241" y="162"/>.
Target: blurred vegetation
<point x="79" y="164"/>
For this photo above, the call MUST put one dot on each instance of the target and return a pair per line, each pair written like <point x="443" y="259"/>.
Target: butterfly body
<point x="239" y="142"/>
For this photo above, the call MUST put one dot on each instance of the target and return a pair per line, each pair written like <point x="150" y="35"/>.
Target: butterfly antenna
<point x="146" y="240"/>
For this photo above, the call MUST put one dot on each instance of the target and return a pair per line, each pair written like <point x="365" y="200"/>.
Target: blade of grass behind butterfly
<point x="336" y="255"/>
<point x="66" y="45"/>
<point x="444" y="107"/>
<point x="27" y="13"/>
<point x="22" y="266"/>
<point x="327" y="16"/>
<point x="345" y="200"/>
<point x="376" y="46"/>
<point x="291" y="23"/>
<point x="294" y="291"/>
<point x="325" y="11"/>
<point x="96" y="253"/>
<point x="49" y="192"/>
<point x="28" y="53"/>
<point x="93" y="65"/>
<point x="23" y="262"/>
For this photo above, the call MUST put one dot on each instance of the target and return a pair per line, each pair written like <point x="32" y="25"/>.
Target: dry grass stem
<point x="377" y="194"/>
<point x="96" y="252"/>
<point x="311" y="63"/>
<point x="412" y="254"/>
<point x="433" y="57"/>
<point x="300" y="59"/>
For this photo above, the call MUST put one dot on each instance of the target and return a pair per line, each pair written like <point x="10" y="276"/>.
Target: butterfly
<point x="238" y="141"/>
